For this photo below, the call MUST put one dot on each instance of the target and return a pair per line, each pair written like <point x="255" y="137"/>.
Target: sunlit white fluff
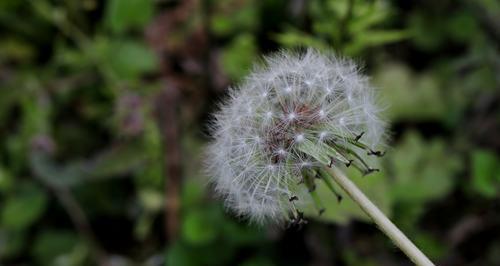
<point x="292" y="98"/>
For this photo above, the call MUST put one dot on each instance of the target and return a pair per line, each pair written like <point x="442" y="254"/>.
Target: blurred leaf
<point x="237" y="57"/>
<point x="462" y="27"/>
<point x="257" y="261"/>
<point x="152" y="200"/>
<point x="234" y="18"/>
<point x="16" y="50"/>
<point x="242" y="233"/>
<point x="367" y="16"/>
<point x="11" y="243"/>
<point x="143" y="225"/>
<point x="117" y="160"/>
<point x="111" y="163"/>
<point x="193" y="192"/>
<point x="212" y="254"/>
<point x="374" y="38"/>
<point x="76" y="257"/>
<point x="50" y="244"/>
<point x="485" y="173"/>
<point x="199" y="226"/>
<point x="180" y="255"/>
<point x="295" y="39"/>
<point x="352" y="258"/>
<point x="430" y="245"/>
<point x="6" y="180"/>
<point x="409" y="96"/>
<point x="423" y="170"/>
<point x="129" y="59"/>
<point x="122" y="15"/>
<point x="24" y="207"/>
<point x="426" y="30"/>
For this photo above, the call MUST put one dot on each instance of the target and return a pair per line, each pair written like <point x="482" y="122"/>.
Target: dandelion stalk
<point x="383" y="223"/>
<point x="288" y="120"/>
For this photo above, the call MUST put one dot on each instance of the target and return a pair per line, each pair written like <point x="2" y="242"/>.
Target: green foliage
<point x="79" y="86"/>
<point x="349" y="26"/>
<point x="239" y="56"/>
<point x="127" y="59"/>
<point x="198" y="227"/>
<point x="229" y="17"/>
<point x="423" y="170"/>
<point x="122" y="15"/>
<point x="49" y="246"/>
<point x="411" y="96"/>
<point x="485" y="167"/>
<point x="24" y="207"/>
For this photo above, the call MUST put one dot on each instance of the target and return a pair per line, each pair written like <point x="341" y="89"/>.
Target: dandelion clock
<point x="298" y="119"/>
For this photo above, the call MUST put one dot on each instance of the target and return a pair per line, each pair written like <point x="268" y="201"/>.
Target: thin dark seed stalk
<point x="326" y="178"/>
<point x="357" y="157"/>
<point x="341" y="150"/>
<point x="356" y="142"/>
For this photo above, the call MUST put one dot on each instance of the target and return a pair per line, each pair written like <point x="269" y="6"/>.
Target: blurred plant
<point x="350" y="26"/>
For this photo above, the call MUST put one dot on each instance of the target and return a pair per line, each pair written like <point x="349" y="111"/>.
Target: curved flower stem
<point x="379" y="218"/>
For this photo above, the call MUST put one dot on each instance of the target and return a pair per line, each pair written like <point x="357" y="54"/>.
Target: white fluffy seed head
<point x="254" y="158"/>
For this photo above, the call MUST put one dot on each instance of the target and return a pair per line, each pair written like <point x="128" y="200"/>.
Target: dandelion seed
<point x="321" y="113"/>
<point x="281" y="151"/>
<point x="299" y="138"/>
<point x="322" y="135"/>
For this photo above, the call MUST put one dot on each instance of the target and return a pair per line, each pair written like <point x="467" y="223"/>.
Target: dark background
<point x="103" y="114"/>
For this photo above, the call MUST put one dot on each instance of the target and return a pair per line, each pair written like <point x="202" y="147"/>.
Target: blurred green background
<point x="104" y="107"/>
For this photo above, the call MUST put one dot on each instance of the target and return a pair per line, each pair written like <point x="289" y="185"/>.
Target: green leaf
<point x="374" y="38"/>
<point x="430" y="245"/>
<point x="24" y="208"/>
<point x="128" y="14"/>
<point x="151" y="199"/>
<point x="410" y="96"/>
<point x="485" y="173"/>
<point x="130" y="59"/>
<point x="230" y="19"/>
<point x="462" y="27"/>
<point x="111" y="163"/>
<point x="6" y="180"/>
<point x="180" y="255"/>
<point x="240" y="234"/>
<point x="11" y="243"/>
<point x="373" y="15"/>
<point x="199" y="226"/>
<point x="427" y="31"/>
<point x="423" y="170"/>
<point x="294" y="38"/>
<point x="50" y="244"/>
<point x="237" y="58"/>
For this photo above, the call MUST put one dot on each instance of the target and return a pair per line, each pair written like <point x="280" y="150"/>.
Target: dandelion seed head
<point x="309" y="98"/>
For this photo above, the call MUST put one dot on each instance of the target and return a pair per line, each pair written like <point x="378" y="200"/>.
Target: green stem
<point x="385" y="225"/>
